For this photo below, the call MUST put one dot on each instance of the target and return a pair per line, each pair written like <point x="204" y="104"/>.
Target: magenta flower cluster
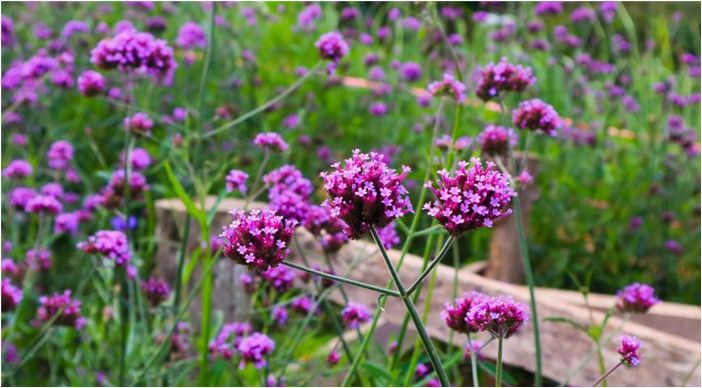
<point x="11" y="295"/>
<point x="500" y="316"/>
<point x="91" y="83"/>
<point x="629" y="350"/>
<point x="329" y="230"/>
<point x="254" y="349"/>
<point x="111" y="244"/>
<point x="136" y="52"/>
<point x="332" y="46"/>
<point x="258" y="239"/>
<point x="472" y="199"/>
<point x="228" y="338"/>
<point x="497" y="79"/>
<point x="365" y="193"/>
<point x="17" y="169"/>
<point x="191" y="35"/>
<point x="281" y="278"/>
<point x="355" y="314"/>
<point x="454" y="315"/>
<point x="289" y="192"/>
<point x="270" y="141"/>
<point x="636" y="298"/>
<point x="448" y="86"/>
<point x="67" y="308"/>
<point x="236" y="180"/>
<point x="497" y="140"/>
<point x="536" y="115"/>
<point x="156" y="290"/>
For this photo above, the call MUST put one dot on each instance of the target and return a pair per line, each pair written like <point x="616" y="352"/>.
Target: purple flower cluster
<point x="448" y="86"/>
<point x="254" y="349"/>
<point x="91" y="83"/>
<point x="236" y="180"/>
<point x="332" y="46"/>
<point x="536" y="115"/>
<point x="355" y="314"/>
<point x="472" y="199"/>
<point x="629" y="350"/>
<point x="636" y="298"/>
<point x="330" y="230"/>
<point x="132" y="51"/>
<point x="271" y="141"/>
<point x="17" y="169"/>
<point x="501" y="316"/>
<point x="139" y="158"/>
<point x="60" y="155"/>
<point x="139" y="123"/>
<point x="281" y="278"/>
<point x="156" y="290"/>
<point x="68" y="310"/>
<point x="11" y="295"/>
<point x="111" y="195"/>
<point x="454" y="316"/>
<point x="503" y="77"/>
<point x="43" y="204"/>
<point x="39" y="259"/>
<point x="228" y="338"/>
<point x="388" y="236"/>
<point x="111" y="244"/>
<point x="279" y="315"/>
<point x="411" y="71"/>
<point x="191" y="35"/>
<point x="496" y="140"/>
<point x="258" y="239"/>
<point x="548" y="8"/>
<point x="302" y="304"/>
<point x="289" y="192"/>
<point x="365" y="193"/>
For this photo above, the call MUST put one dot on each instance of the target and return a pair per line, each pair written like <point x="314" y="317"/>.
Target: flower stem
<point x="498" y="367"/>
<point x="473" y="363"/>
<point x="601" y="363"/>
<point x="407" y="299"/>
<point x="341" y="279"/>
<point x="604" y="377"/>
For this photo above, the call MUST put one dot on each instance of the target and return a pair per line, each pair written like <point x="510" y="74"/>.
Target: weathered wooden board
<point x="669" y="355"/>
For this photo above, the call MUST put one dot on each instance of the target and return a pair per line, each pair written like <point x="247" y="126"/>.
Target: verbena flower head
<point x="421" y="371"/>
<point x="39" y="259"/>
<point x="629" y="350"/>
<point x="17" y="169"/>
<point x="258" y="239"/>
<point x="497" y="79"/>
<point x="365" y="193"/>
<point x="111" y="244"/>
<point x="68" y="310"/>
<point x="43" y="204"/>
<point x="228" y="338"/>
<point x="536" y="115"/>
<point x="271" y="141"/>
<point x="139" y="157"/>
<point x="191" y="35"/>
<point x="471" y="199"/>
<point x="332" y="46"/>
<point x="636" y="298"/>
<point x="333" y="358"/>
<point x="91" y="83"/>
<point x="448" y="86"/>
<point x="156" y="290"/>
<point x="496" y="140"/>
<point x="411" y="71"/>
<point x="60" y="155"/>
<point x="11" y="270"/>
<point x="354" y="314"/>
<point x="254" y="349"/>
<point x="136" y="52"/>
<point x="11" y="295"/>
<point x="330" y="230"/>
<point x="236" y="180"/>
<point x="138" y="123"/>
<point x="281" y="278"/>
<point x="303" y="304"/>
<point x="454" y="315"/>
<point x="501" y="316"/>
<point x="548" y="8"/>
<point x="279" y="315"/>
<point x="388" y="236"/>
<point x="20" y="197"/>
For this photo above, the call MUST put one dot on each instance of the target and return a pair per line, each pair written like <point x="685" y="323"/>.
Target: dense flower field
<point x="412" y="126"/>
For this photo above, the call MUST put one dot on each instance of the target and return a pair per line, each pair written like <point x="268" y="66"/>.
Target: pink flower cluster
<point x="156" y="290"/>
<point x="132" y="51"/>
<point x="472" y="199"/>
<point x="91" y="83"/>
<point x="281" y="278"/>
<point x="11" y="295"/>
<point x="454" y="315"/>
<point x="636" y="298"/>
<point x="496" y="79"/>
<point x="254" y="349"/>
<point x="289" y="192"/>
<point x="60" y="155"/>
<point x="629" y="350"/>
<point x="112" y="195"/>
<point x="191" y="35"/>
<point x="111" y="244"/>
<point x="17" y="169"/>
<point x="332" y="46"/>
<point x="354" y="314"/>
<point x="365" y="193"/>
<point x="236" y="180"/>
<point x="258" y="239"/>
<point x="138" y="123"/>
<point x="500" y="316"/>
<point x="68" y="310"/>
<point x="448" y="86"/>
<point x="228" y="339"/>
<point x="329" y="230"/>
<point x="43" y="204"/>
<point x="496" y="140"/>
<point x="271" y="141"/>
<point x="536" y="115"/>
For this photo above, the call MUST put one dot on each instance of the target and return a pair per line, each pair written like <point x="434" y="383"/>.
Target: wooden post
<point x="504" y="262"/>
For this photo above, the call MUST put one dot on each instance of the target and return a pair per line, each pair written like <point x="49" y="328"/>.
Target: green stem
<point x="473" y="363"/>
<point x="407" y="299"/>
<point x="384" y="291"/>
<point x="498" y="368"/>
<point x="601" y="364"/>
<point x="181" y="262"/>
<point x="604" y="377"/>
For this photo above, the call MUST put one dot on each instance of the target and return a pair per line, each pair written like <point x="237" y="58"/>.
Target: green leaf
<point x="490" y="369"/>
<point x="183" y="196"/>
<point x="379" y="373"/>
